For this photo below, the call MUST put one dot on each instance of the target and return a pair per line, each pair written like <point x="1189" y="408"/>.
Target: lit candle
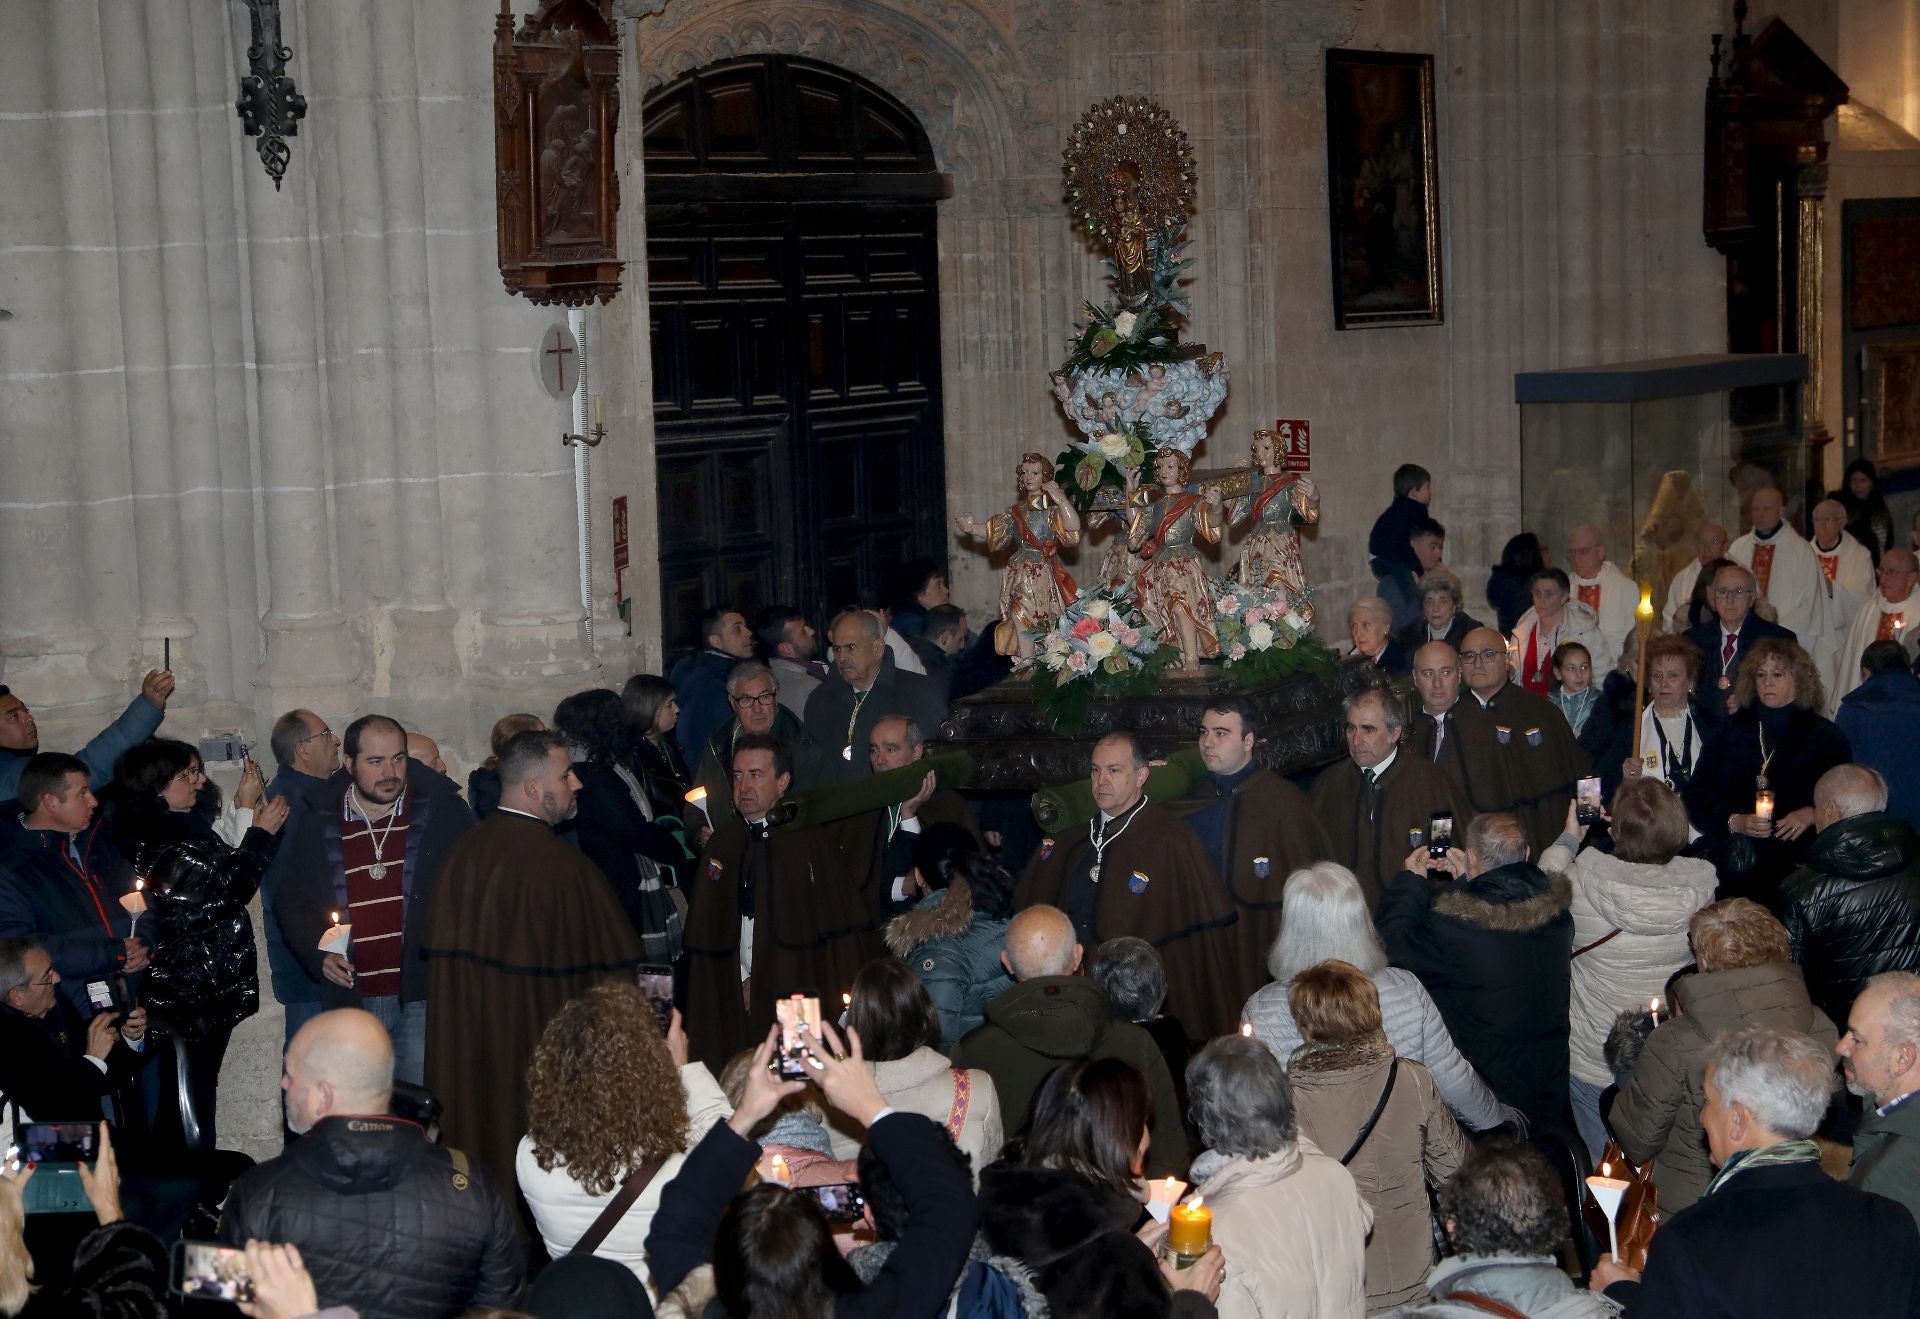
<point x="1653" y="1006"/>
<point x="1246" y="1028"/>
<point x="1763" y="806"/>
<point x="134" y="904"/>
<point x="777" y="1170"/>
<point x="1606" y="1191"/>
<point x="1162" y="1196"/>
<point x="338" y="938"/>
<point x="698" y="797"/>
<point x="1190" y="1232"/>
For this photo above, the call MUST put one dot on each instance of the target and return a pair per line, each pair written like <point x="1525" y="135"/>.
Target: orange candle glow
<point x="1190" y="1229"/>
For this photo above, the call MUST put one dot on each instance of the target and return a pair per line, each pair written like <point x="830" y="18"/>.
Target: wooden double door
<point x="796" y="369"/>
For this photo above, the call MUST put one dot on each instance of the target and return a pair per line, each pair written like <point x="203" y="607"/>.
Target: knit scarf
<point x="1767" y="1156"/>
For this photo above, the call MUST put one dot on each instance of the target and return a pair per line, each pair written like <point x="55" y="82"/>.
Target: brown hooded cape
<point x="813" y="928"/>
<point x="1271" y="831"/>
<point x="1542" y="761"/>
<point x="1469" y="753"/>
<point x="520" y="924"/>
<point x="1157" y="885"/>
<point x="1368" y="828"/>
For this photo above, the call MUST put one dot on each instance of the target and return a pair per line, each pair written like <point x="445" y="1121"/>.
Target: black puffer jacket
<point x="1853" y="910"/>
<point x="205" y="972"/>
<point x="119" y="1272"/>
<point x="386" y="1222"/>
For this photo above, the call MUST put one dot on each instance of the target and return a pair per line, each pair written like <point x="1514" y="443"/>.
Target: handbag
<point x="636" y="1182"/>
<point x="1639" y="1207"/>
<point x="1373" y="1118"/>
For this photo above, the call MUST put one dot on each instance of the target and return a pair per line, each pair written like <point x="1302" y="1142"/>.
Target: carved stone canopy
<point x="556" y="107"/>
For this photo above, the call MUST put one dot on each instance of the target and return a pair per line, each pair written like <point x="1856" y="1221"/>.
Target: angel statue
<point x="1176" y="594"/>
<point x="1276" y="502"/>
<point x="1036" y="586"/>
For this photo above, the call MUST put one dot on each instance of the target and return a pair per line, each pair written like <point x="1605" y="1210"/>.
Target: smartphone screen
<point x="1439" y="834"/>
<point x="1586" y="808"/>
<point x="657" y="984"/>
<point x="57" y="1142"/>
<point x="206" y="1271"/>
<point x="799" y="1017"/>
<point x="841" y="1202"/>
<point x="100" y="995"/>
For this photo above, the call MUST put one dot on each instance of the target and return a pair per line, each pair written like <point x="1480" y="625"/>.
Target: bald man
<point x="1600" y="586"/>
<point x="1532" y="742"/>
<point x="1784" y="570"/>
<point x="1709" y="543"/>
<point x="1053" y="1016"/>
<point x="423" y="750"/>
<point x="1454" y="734"/>
<point x="1846" y="583"/>
<point x="1892" y="613"/>
<point x="1853" y="910"/>
<point x="386" y="1221"/>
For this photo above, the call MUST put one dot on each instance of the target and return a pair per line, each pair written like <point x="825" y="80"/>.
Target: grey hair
<point x="1497" y="839"/>
<point x="915" y="738"/>
<point x="289" y="731"/>
<point x="13" y="964"/>
<point x="1903" y="1005"/>
<point x="1855" y="789"/>
<point x="1372" y="604"/>
<point x="1442" y="580"/>
<point x="870" y="625"/>
<point x="1136" y="749"/>
<point x="1392" y="711"/>
<point x="1240" y="1099"/>
<point x="1324" y="917"/>
<point x="1782" y="1077"/>
<point x="746" y="669"/>
<point x="1132" y="974"/>
<point x="1753" y="583"/>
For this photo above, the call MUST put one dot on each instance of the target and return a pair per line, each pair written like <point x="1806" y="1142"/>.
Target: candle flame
<point x="1246" y="1029"/>
<point x="336" y="918"/>
<point x="1171" y="1183"/>
<point x="1195" y="1202"/>
<point x="697" y="796"/>
<point x="846" y="1000"/>
<point x="1606" y="1169"/>
<point x="1646" y="603"/>
<point x="779" y="1160"/>
<point x="139" y="884"/>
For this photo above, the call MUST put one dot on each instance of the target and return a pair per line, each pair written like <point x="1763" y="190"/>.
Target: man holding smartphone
<point x="54" y="1063"/>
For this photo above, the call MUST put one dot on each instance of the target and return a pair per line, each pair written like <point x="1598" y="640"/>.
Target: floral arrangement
<point x="1267" y="633"/>
<point x="1099" y="647"/>
<point x="1105" y="460"/>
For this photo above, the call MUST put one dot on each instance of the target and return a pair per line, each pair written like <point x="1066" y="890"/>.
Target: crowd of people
<point x="544" y="1053"/>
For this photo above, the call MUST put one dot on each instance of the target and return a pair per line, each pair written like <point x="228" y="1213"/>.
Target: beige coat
<point x="1291" y="1226"/>
<point x="1415" y="1143"/>
<point x="1657" y="1113"/>
<point x="922" y="1082"/>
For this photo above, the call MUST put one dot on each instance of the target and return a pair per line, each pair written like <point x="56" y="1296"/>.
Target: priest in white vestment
<point x="1601" y="587"/>
<point x="1893" y="614"/>
<point x="1846" y="580"/>
<point x="1784" y="570"/>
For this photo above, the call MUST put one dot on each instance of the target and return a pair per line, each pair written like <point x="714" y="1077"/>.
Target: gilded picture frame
<point x="1383" y="190"/>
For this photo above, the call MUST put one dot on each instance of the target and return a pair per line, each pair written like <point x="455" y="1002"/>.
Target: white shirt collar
<point x="515" y="810"/>
<point x="1386" y="764"/>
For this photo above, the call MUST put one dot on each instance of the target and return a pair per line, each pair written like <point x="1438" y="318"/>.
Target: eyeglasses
<point x="325" y="732"/>
<point x="43" y="981"/>
<point x="1731" y="592"/>
<point x="1483" y="655"/>
<point x="762" y="701"/>
<point x="189" y="774"/>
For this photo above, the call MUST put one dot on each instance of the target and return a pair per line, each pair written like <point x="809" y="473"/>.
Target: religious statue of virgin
<point x="1176" y="593"/>
<point x="1036" y="587"/>
<point x="1276" y="504"/>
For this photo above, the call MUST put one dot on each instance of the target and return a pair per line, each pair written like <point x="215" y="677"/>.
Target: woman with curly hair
<point x="613" y="820"/>
<point x="1775" y="742"/>
<point x="603" y="1099"/>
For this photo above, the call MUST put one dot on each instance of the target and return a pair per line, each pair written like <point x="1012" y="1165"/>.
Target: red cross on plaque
<point x="559" y="350"/>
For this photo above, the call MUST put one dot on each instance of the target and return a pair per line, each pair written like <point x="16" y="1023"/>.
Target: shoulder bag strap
<point x="1373" y="1118"/>
<point x="962" y="1094"/>
<point x="1487" y="1303"/>
<point x="1587" y="948"/>
<point x="617" y="1207"/>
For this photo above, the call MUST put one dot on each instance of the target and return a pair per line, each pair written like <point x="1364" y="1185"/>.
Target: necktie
<point x="1726" y="651"/>
<point x="1370" y="776"/>
<point x="1439" y="736"/>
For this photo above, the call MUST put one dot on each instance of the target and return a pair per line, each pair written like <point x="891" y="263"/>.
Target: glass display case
<point x="1649" y="451"/>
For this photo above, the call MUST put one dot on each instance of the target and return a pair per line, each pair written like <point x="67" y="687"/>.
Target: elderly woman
<point x="609" y="1097"/>
<point x="1287" y="1214"/>
<point x="1066" y="1200"/>
<point x="1380" y="1115"/>
<point x="1776" y="742"/>
<point x="1631" y="909"/>
<point x="1323" y="917"/>
<point x="1745" y="979"/>
<point x="1442" y="618"/>
<point x="1672" y="734"/>
<point x="899" y="1033"/>
<point x="1135" y="978"/>
<point x="1555" y="619"/>
<point x="1370" y="627"/>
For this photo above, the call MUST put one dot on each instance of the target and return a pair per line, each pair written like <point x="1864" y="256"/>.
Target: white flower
<point x="1295" y="620"/>
<point x="1123" y="324"/>
<point x="1101" y="644"/>
<point x="1260" y="636"/>
<point x="1112" y="447"/>
<point x="1098" y="609"/>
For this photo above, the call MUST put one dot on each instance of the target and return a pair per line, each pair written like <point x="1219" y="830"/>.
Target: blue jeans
<point x="406" y="1023"/>
<point x="1586" y="1114"/>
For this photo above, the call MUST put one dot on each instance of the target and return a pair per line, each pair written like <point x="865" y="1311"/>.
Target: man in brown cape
<point x="1370" y="802"/>
<point x="1531" y="740"/>
<point x="520" y="924"/>
<point x="895" y="743"/>
<point x="1257" y="829"/>
<point x="1138" y="870"/>
<point x="771" y="912"/>
<point x="1454" y="733"/>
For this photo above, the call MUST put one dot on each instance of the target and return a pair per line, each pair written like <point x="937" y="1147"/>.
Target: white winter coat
<point x="922" y="1082"/>
<point x="1650" y="905"/>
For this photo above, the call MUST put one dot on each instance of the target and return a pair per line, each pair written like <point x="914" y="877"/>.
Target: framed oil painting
<point x="1383" y="196"/>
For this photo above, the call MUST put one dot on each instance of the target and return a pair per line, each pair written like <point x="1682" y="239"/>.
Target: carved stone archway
<point x="932" y="66"/>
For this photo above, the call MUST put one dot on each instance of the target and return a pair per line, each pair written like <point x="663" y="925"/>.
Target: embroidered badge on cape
<point x="1262" y="867"/>
<point x="1536" y="738"/>
<point x="1502" y="734"/>
<point x="1046" y="848"/>
<point x="1138" y="882"/>
<point x="713" y="869"/>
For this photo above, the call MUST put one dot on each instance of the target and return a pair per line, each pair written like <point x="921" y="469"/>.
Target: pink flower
<point x="1131" y="638"/>
<point x="1255" y="615"/>
<point x="1229" y="605"/>
<point x="1077" y="661"/>
<point x="1237" y="653"/>
<point x="1086" y="627"/>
